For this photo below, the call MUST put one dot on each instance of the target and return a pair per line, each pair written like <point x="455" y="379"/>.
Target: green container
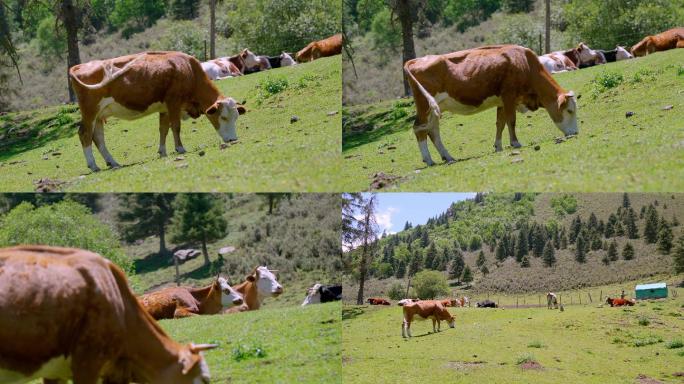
<point x="651" y="291"/>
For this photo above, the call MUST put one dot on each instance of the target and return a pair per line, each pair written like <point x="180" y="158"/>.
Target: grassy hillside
<point x="583" y="344"/>
<point x="468" y="219"/>
<point x="272" y="155"/>
<point x="611" y="153"/>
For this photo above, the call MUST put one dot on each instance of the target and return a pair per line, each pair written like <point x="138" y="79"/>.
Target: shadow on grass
<point x="363" y="128"/>
<point x="25" y="132"/>
<point x="199" y="273"/>
<point x="152" y="262"/>
<point x="351" y="313"/>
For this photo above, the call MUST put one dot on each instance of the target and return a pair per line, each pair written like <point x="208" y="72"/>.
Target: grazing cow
<point x="323" y="294"/>
<point x="557" y="62"/>
<point x="253" y="62"/>
<point x="377" y="301"/>
<point x="589" y="57"/>
<point x="425" y="309"/>
<point x="551" y="301"/>
<point x="507" y="77"/>
<point x="177" y="302"/>
<point x="487" y="304"/>
<point x="620" y="302"/>
<point x="129" y="87"/>
<point x="670" y="39"/>
<point x="69" y="314"/>
<point x="259" y="285"/>
<point x="322" y="48"/>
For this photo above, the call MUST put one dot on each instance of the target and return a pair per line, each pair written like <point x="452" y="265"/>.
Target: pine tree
<point x="424" y="239"/>
<point x="481" y="260"/>
<point x="605" y="260"/>
<point x="457" y="266"/>
<point x="521" y="248"/>
<point x="416" y="263"/>
<point x="642" y="212"/>
<point x="467" y="275"/>
<point x="183" y="9"/>
<point x="593" y="221"/>
<point x="484" y="270"/>
<point x="500" y="252"/>
<point x="549" y="254"/>
<point x="539" y="241"/>
<point x="525" y="262"/>
<point x="675" y="222"/>
<point x="145" y="214"/>
<point x="575" y="229"/>
<point x="563" y="239"/>
<point x="431" y="256"/>
<point x="632" y="229"/>
<point x="580" y="253"/>
<point x="556" y="238"/>
<point x="651" y="228"/>
<point x="628" y="252"/>
<point x="619" y="229"/>
<point x="612" y="251"/>
<point x="678" y="255"/>
<point x="665" y="239"/>
<point x="601" y="227"/>
<point x="596" y="242"/>
<point x="198" y="217"/>
<point x="400" y="270"/>
<point x="407" y="226"/>
<point x="625" y="201"/>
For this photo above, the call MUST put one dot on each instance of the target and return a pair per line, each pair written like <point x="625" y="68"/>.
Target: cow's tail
<point x="109" y="75"/>
<point x="434" y="107"/>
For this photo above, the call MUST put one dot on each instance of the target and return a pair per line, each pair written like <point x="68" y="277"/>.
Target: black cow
<point x="487" y="304"/>
<point x="323" y="294"/>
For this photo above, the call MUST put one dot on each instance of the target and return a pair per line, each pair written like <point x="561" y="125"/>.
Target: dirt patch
<point x="48" y="185"/>
<point x="531" y="365"/>
<point x="643" y="379"/>
<point x="462" y="365"/>
<point x="381" y="180"/>
<point x="346" y="359"/>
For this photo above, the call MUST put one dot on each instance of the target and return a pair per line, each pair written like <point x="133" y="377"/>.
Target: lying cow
<point x="284" y="60"/>
<point x="253" y="62"/>
<point x="69" y="314"/>
<point x="323" y="294"/>
<point x="130" y="87"/>
<point x="617" y="54"/>
<point x="178" y="302"/>
<point x="620" y="302"/>
<point x="450" y="303"/>
<point x="551" y="301"/>
<point x="323" y="48"/>
<point x="259" y="285"/>
<point x="670" y="39"/>
<point x="589" y="57"/>
<point x="557" y="62"/>
<point x="219" y="69"/>
<point x="508" y="77"/>
<point x="377" y="301"/>
<point x="425" y="309"/>
<point x="487" y="304"/>
<point x="403" y="302"/>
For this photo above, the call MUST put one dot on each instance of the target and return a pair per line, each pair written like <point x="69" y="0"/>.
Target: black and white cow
<point x="323" y="294"/>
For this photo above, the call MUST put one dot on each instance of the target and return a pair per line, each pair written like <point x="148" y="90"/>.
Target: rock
<point x="184" y="255"/>
<point x="294" y="119"/>
<point x="537" y="147"/>
<point x="201" y="153"/>
<point x="182" y="165"/>
<point x="333" y="113"/>
<point x="667" y="107"/>
<point x="517" y="160"/>
<point x="179" y="158"/>
<point x="629" y="114"/>
<point x="514" y="153"/>
<point x="226" y="250"/>
<point x="82" y="177"/>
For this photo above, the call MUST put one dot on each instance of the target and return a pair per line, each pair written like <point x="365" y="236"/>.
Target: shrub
<point x="562" y="205"/>
<point x="247" y="351"/>
<point x="184" y="36"/>
<point x="605" y="81"/>
<point x="644" y="321"/>
<point x="273" y="85"/>
<point x="674" y="344"/>
<point x="430" y="284"/>
<point x="65" y="224"/>
<point x="50" y="39"/>
<point x="526" y="358"/>
<point x="535" y="344"/>
<point x="648" y="341"/>
<point x="396" y="291"/>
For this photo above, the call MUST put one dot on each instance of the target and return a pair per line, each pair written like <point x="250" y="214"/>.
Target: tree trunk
<point x="162" y="240"/>
<point x="547" y="46"/>
<point x="71" y="20"/>
<point x="271" y="203"/>
<point x="405" y="14"/>
<point x="364" y="256"/>
<point x="175" y="263"/>
<point x="204" y="250"/>
<point x="212" y="29"/>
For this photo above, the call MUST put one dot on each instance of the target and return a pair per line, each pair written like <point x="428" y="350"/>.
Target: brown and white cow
<point x="219" y="69"/>
<point x="177" y="302"/>
<point x="322" y="48"/>
<point x="259" y="285"/>
<point x="589" y="57"/>
<point x="555" y="62"/>
<point x="70" y="314"/>
<point x="254" y="62"/>
<point x="670" y="39"/>
<point x="507" y="77"/>
<point x="432" y="309"/>
<point x="129" y="87"/>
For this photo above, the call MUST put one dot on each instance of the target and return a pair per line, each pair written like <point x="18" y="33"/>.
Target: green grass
<point x="611" y="153"/>
<point x="583" y="344"/>
<point x="273" y="154"/>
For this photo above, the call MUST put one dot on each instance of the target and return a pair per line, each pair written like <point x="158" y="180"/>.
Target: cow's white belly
<point x="110" y="108"/>
<point x="57" y="368"/>
<point x="447" y="103"/>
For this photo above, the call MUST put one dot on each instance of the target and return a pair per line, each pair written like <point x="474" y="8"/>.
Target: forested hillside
<point x="375" y="30"/>
<point x="49" y="34"/>
<point x="532" y="243"/>
<point x="295" y="234"/>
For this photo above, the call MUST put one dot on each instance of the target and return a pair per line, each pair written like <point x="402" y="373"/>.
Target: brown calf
<point x="670" y="39"/>
<point x="323" y="48"/>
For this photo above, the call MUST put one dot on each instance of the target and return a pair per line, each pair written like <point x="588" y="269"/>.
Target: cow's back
<point x="162" y="304"/>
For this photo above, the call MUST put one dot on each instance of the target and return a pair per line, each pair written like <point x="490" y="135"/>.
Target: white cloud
<point x="384" y="219"/>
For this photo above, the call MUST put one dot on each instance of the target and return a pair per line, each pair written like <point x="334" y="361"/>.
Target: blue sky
<point x="395" y="209"/>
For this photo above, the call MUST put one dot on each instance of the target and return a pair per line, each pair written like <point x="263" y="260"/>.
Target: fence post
<point x="205" y="50"/>
<point x="601" y="295"/>
<point x="579" y="294"/>
<point x="590" y="300"/>
<point x="516" y="302"/>
<point x="540" y="45"/>
<point x="539" y="299"/>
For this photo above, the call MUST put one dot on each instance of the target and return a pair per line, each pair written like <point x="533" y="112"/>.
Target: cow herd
<point x="173" y="84"/>
<point x="509" y="78"/>
<point x="69" y="314"/>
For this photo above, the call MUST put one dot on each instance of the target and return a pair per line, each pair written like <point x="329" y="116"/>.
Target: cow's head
<point x="585" y="53"/>
<point x="564" y="113"/>
<point x="266" y="282"/>
<point x="304" y="55"/>
<point x="286" y="60"/>
<point x="644" y="47"/>
<point x="622" y="54"/>
<point x="229" y="296"/>
<point x="313" y="295"/>
<point x="223" y="115"/>
<point x="191" y="367"/>
<point x="251" y="60"/>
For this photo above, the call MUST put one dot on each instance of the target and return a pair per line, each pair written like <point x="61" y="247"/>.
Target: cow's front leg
<point x="85" y="134"/>
<point x="163" y="131"/>
<point x="98" y="138"/>
<point x="500" y="124"/>
<point x="182" y="312"/>
<point x="421" y="133"/>
<point x="175" y="122"/>
<point x="511" y="130"/>
<point x="437" y="141"/>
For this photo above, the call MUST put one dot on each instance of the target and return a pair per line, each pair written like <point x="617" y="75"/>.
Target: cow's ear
<point x="211" y="110"/>
<point x="241" y="109"/>
<point x="188" y="362"/>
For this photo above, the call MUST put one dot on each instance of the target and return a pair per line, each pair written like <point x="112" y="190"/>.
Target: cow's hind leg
<point x="175" y="122"/>
<point x="182" y="312"/>
<point x="500" y="124"/>
<point x="509" y="116"/>
<point x="99" y="139"/>
<point x="85" y="134"/>
<point x="437" y="141"/>
<point x="163" y="131"/>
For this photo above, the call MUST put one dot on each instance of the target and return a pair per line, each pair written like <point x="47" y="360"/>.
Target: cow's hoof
<point x="95" y="169"/>
<point x="498" y="149"/>
<point x="114" y="165"/>
<point x="429" y="163"/>
<point x="516" y="144"/>
<point x="180" y="150"/>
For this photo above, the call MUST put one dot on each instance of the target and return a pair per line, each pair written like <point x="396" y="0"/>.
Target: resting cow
<point x="670" y="39"/>
<point x="323" y="48"/>
<point x="69" y="314"/>
<point x="253" y="62"/>
<point x="589" y="57"/>
<point x="220" y="69"/>
<point x="377" y="301"/>
<point x="178" y="302"/>
<point x="284" y="60"/>
<point x="557" y="62"/>
<point x="620" y="302"/>
<point x="425" y="309"/>
<point x="130" y="87"/>
<point x="487" y="304"/>
<point x="323" y="294"/>
<point x="616" y="54"/>
<point x="259" y="285"/>
<point x="507" y="77"/>
<point x="551" y="301"/>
